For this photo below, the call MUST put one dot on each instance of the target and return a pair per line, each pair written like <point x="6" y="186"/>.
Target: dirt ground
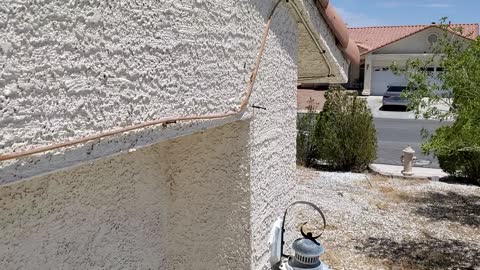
<point x="307" y="97"/>
<point x="379" y="223"/>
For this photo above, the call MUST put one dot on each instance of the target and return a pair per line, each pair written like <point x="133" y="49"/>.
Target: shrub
<point x="345" y="136"/>
<point x="465" y="164"/>
<point x="457" y="148"/>
<point x="305" y="132"/>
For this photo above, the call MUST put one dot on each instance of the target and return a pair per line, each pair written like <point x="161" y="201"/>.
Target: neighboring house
<point x="380" y="46"/>
<point x="128" y="139"/>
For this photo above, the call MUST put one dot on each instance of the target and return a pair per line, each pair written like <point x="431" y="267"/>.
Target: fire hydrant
<point x="407" y="161"/>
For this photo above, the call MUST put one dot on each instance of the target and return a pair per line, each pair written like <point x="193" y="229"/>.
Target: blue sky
<point x="398" y="12"/>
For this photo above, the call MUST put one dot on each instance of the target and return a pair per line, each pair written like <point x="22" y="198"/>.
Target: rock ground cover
<point x="379" y="223"/>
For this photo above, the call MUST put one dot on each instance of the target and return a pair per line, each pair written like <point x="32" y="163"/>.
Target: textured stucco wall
<point x="71" y="69"/>
<point x="272" y="135"/>
<point x="181" y="204"/>
<point x="75" y="68"/>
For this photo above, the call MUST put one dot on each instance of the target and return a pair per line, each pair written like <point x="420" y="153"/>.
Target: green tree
<point x="345" y="136"/>
<point x="457" y="90"/>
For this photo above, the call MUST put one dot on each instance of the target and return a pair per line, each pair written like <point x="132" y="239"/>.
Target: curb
<point x="374" y="170"/>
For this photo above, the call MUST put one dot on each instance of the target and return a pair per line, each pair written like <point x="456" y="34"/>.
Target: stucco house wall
<point x="187" y="195"/>
<point x="397" y="44"/>
<point x="180" y="204"/>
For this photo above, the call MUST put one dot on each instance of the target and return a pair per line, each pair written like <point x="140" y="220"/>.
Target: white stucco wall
<point x="180" y="204"/>
<point x="76" y="68"/>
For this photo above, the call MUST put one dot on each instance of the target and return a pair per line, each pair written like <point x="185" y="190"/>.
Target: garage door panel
<point x="382" y="77"/>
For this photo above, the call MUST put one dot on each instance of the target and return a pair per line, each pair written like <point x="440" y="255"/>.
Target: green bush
<point x="465" y="164"/>
<point x="305" y="132"/>
<point x="457" y="148"/>
<point x="345" y="136"/>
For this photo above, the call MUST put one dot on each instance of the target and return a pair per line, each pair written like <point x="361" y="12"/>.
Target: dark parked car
<point x="393" y="96"/>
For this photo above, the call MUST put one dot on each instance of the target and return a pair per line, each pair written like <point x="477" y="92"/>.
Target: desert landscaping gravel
<point x="375" y="222"/>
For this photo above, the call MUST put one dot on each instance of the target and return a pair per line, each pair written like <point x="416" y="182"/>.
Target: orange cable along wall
<point x="332" y="19"/>
<point x="167" y="120"/>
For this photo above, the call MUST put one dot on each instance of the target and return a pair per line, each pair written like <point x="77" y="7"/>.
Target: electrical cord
<point x="171" y="120"/>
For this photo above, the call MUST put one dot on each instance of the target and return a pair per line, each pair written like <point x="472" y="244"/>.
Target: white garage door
<point x="382" y="77"/>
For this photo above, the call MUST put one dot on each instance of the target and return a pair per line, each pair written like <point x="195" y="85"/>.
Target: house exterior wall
<point x="180" y="204"/>
<point x="74" y="69"/>
<point x="354" y="75"/>
<point x="414" y="44"/>
<point x="378" y="75"/>
<point x="163" y="197"/>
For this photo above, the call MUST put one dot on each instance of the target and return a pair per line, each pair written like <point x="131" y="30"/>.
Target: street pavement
<point x="394" y="135"/>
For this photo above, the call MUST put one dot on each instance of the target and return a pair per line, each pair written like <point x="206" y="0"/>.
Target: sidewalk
<point x="418" y="172"/>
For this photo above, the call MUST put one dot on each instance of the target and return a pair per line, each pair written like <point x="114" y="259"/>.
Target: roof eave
<point x="340" y="30"/>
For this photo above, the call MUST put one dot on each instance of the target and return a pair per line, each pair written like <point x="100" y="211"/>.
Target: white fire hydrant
<point x="407" y="161"/>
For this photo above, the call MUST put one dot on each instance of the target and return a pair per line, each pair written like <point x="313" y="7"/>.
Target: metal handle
<point x="313" y="238"/>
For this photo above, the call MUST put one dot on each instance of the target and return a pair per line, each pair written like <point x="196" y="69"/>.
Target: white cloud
<point x="354" y="19"/>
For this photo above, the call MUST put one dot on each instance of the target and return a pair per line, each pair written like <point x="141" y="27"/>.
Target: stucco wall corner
<point x="194" y="195"/>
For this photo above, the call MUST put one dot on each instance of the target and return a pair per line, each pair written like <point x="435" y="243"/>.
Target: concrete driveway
<point x="375" y="104"/>
<point x="393" y="112"/>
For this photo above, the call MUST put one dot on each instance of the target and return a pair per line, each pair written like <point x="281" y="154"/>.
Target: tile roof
<point x="340" y="30"/>
<point x="375" y="37"/>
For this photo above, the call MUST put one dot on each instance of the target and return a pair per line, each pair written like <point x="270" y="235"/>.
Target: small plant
<point x="345" y="136"/>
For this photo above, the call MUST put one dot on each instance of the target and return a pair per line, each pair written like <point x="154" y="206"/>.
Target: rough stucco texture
<point x="272" y="135"/>
<point x="181" y="204"/>
<point x="74" y="68"/>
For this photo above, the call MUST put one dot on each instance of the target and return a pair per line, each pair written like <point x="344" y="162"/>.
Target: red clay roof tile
<point x="340" y="30"/>
<point x="375" y="37"/>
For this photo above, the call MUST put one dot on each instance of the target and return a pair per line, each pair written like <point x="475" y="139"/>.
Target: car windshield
<point x="396" y="88"/>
